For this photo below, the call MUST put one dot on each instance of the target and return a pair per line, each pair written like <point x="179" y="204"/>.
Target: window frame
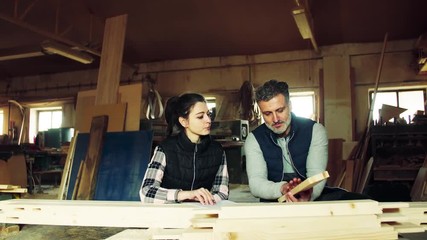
<point x="396" y="90"/>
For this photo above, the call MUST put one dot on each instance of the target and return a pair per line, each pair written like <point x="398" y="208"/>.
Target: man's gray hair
<point x="270" y="89"/>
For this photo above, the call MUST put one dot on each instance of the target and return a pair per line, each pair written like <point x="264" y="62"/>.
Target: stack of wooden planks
<point x="358" y="219"/>
<point x="6" y="188"/>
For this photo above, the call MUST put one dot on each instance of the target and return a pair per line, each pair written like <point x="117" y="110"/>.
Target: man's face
<point x="276" y="114"/>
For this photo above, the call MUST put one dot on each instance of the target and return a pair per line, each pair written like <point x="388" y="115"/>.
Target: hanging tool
<point x="154" y="102"/>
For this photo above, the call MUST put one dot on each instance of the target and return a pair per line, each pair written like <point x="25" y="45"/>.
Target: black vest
<point x="299" y="144"/>
<point x="189" y="165"/>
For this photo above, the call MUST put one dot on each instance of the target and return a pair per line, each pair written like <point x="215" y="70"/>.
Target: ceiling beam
<point x="47" y="34"/>
<point x="21" y="52"/>
<point x="304" y="22"/>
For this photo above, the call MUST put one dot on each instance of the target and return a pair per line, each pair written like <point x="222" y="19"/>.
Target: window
<point x="42" y="119"/>
<point x="49" y="119"/>
<point x="303" y="104"/>
<point x="211" y="102"/>
<point x="411" y="99"/>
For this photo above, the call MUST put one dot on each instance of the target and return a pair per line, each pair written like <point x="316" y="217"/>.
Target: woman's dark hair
<point x="180" y="106"/>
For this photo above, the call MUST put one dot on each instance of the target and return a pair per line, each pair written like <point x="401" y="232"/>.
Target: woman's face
<point x="198" y="122"/>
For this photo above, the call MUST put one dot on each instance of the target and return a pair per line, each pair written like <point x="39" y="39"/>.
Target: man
<point x="285" y="150"/>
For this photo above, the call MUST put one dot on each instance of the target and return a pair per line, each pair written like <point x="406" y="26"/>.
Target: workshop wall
<point x="343" y="72"/>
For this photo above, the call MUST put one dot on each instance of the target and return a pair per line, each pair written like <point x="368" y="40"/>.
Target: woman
<point x="188" y="166"/>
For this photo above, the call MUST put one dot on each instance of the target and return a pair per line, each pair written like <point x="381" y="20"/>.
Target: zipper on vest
<point x="194" y="166"/>
<point x="290" y="157"/>
<point x="277" y="144"/>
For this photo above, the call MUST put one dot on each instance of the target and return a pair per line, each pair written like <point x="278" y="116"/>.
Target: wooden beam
<point x="47" y="34"/>
<point x="111" y="60"/>
<point x="19" y="53"/>
<point x="93" y="213"/>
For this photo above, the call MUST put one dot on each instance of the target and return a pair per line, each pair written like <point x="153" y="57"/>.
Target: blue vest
<point x="299" y="144"/>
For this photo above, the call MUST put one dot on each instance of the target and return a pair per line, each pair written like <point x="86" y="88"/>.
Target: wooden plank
<point x="78" y="179"/>
<point x="384" y="233"/>
<point x="339" y="181"/>
<point x="7" y="186"/>
<point x="90" y="169"/>
<point x="111" y="60"/>
<point x="17" y="166"/>
<point x="365" y="175"/>
<point x="392" y="217"/>
<point x="14" y="190"/>
<point x="63" y="188"/>
<point x="349" y="174"/>
<point x="327" y="220"/>
<point x="93" y="213"/>
<point x="297" y="224"/>
<point x="307" y="184"/>
<point x="116" y="116"/>
<point x="300" y="209"/>
<point x="132" y="95"/>
<point x="4" y="172"/>
<point x="129" y="94"/>
<point x="335" y="160"/>
<point x="406" y="227"/>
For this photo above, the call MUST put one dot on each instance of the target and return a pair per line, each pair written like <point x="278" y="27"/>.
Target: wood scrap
<point x="9" y="229"/>
<point x="349" y="169"/>
<point x="63" y="188"/>
<point x="14" y="190"/>
<point x="339" y="181"/>
<point x="7" y="186"/>
<point x="335" y="160"/>
<point x="89" y="173"/>
<point x="306" y="184"/>
<point x="365" y="175"/>
<point x="78" y="178"/>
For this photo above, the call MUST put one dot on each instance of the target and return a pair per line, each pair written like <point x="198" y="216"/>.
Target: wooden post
<point x="111" y="60"/>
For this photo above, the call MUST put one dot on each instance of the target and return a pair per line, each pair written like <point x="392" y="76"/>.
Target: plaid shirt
<point x="151" y="192"/>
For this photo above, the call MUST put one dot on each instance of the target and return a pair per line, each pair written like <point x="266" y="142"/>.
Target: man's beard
<point x="283" y="128"/>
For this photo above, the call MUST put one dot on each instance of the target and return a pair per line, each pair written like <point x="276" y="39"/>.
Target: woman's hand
<point x="201" y="195"/>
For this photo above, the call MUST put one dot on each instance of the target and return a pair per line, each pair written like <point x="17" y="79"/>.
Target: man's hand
<point x="201" y="195"/>
<point x="303" y="196"/>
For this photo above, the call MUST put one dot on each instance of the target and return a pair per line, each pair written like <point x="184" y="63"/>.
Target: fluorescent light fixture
<point x="302" y="22"/>
<point x="66" y="51"/>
